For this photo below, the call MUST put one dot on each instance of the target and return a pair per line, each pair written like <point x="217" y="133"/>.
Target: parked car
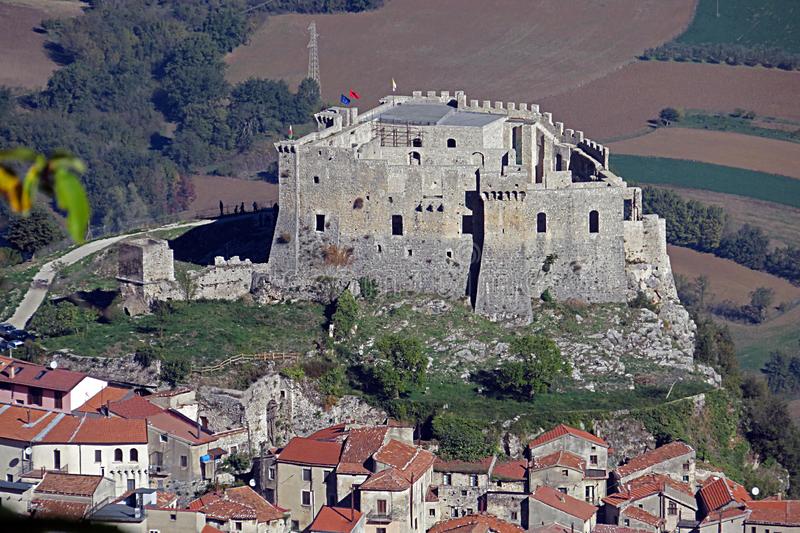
<point x="18" y="335"/>
<point x="5" y="327"/>
<point x="13" y="345"/>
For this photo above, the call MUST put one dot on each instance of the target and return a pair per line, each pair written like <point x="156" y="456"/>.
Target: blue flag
<point x="344" y="100"/>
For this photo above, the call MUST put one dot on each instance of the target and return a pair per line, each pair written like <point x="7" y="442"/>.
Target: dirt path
<point x="514" y="50"/>
<point x="42" y="280"/>
<point x="717" y="147"/>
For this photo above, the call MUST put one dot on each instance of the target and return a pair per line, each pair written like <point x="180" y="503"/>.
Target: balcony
<point x="375" y="517"/>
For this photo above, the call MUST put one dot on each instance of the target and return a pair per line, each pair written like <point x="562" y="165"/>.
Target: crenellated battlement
<point x="504" y="196"/>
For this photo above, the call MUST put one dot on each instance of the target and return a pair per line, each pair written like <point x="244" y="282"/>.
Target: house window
<point x="473" y="480"/>
<point x="565" y="472"/>
<point x="686" y="479"/>
<point x="447" y="479"/>
<point x="295" y="525"/>
<point x="562" y="490"/>
<point x="431" y="512"/>
<point x="463" y="492"/>
<point x="184" y="461"/>
<point x="173" y="517"/>
<point x="305" y="498"/>
<point x="58" y="399"/>
<point x="627" y="523"/>
<point x="320" y="223"/>
<point x="10" y="478"/>
<point x="672" y="508"/>
<point x="541" y="223"/>
<point x="306" y="474"/>
<point x="238" y="526"/>
<point x="35" y="396"/>
<point x="415" y="523"/>
<point x="271" y="472"/>
<point x="451" y="143"/>
<point x="381" y="507"/>
<point x="453" y="512"/>
<point x="380" y="530"/>
<point x="118" y="455"/>
<point x="685" y="467"/>
<point x="134" y="455"/>
<point x="98" y="456"/>
<point x="594" y="222"/>
<point x="588" y="493"/>
<point x="593" y="460"/>
<point x="163" y="438"/>
<point x="325" y="474"/>
<point x="513" y="515"/>
<point x="397" y="224"/>
<point x="131" y="484"/>
<point x="416" y="142"/>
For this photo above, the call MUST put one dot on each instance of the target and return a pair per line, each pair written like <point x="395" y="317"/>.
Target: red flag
<point x="291" y="132"/>
<point x="354" y="94"/>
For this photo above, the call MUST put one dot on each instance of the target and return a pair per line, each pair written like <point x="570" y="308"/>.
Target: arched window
<point x="416" y="142"/>
<point x="118" y="455"/>
<point x="477" y="159"/>
<point x="594" y="222"/>
<point x="451" y="143"/>
<point x="414" y="158"/>
<point x="541" y="223"/>
<point x="134" y="455"/>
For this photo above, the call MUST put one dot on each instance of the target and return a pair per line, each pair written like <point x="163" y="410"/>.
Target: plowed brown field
<point x="209" y="190"/>
<point x="514" y="50"/>
<point x="718" y="147"/>
<point x="621" y="103"/>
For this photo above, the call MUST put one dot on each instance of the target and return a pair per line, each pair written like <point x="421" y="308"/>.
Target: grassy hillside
<point x="717" y="178"/>
<point x="771" y="23"/>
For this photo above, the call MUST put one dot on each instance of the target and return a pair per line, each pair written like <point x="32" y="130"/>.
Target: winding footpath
<point x="42" y="280"/>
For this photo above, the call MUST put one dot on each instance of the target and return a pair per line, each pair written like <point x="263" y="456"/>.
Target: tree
<point x="668" y="115"/>
<point x="460" y="438"/>
<point x="538" y="364"/>
<point x="762" y="298"/>
<point x="174" y="370"/>
<point x="59" y="319"/>
<point x="401" y="366"/>
<point x="779" y="375"/>
<point x="749" y="247"/>
<point x="346" y="314"/>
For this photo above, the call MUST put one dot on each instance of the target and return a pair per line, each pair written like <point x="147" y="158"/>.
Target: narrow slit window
<point x="397" y="224"/>
<point x="541" y="223"/>
<point x="451" y="143"/>
<point x="320" y="223"/>
<point x="594" y="222"/>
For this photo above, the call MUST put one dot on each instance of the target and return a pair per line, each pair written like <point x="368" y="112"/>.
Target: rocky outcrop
<point x="122" y="369"/>
<point x="627" y="438"/>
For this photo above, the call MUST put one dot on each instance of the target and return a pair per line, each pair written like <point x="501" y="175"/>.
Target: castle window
<point x="559" y="162"/>
<point x="410" y="252"/>
<point x="316" y="179"/>
<point x="414" y="158"/>
<point x="541" y="223"/>
<point x="320" y="223"/>
<point x="416" y="142"/>
<point x="466" y="224"/>
<point x="380" y="249"/>
<point x="594" y="222"/>
<point x="397" y="224"/>
<point x="449" y="254"/>
<point x="627" y="210"/>
<point x="451" y="143"/>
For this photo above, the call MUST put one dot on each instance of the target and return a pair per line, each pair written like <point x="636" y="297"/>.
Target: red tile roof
<point x="609" y="528"/>
<point x="306" y="451"/>
<point x="335" y="520"/>
<point x="58" y="509"/>
<point x="564" y="502"/>
<point x="727" y="514"/>
<point x="550" y="528"/>
<point x="107" y="395"/>
<point x="33" y="375"/>
<point x="478" y="523"/>
<point x="561" y="430"/>
<point x="510" y="470"/>
<point x="561" y="458"/>
<point x="265" y="511"/>
<point x="432" y="494"/>
<point x="777" y="512"/>
<point x="651" y="458"/>
<point x="68" y="484"/>
<point x="27" y="425"/>
<point x="110" y="431"/>
<point x="642" y="516"/>
<point x="361" y="443"/>
<point x="225" y="510"/>
<point x="718" y="492"/>
<point x="134" y="407"/>
<point x="390" y="480"/>
<point x="411" y="461"/>
<point x="208" y="528"/>
<point x="645" y="486"/>
<point x="464" y="467"/>
<point x="202" y="501"/>
<point x="177" y="425"/>
<point x="336" y="432"/>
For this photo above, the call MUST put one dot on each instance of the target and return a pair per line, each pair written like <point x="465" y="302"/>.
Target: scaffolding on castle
<point x="395" y="135"/>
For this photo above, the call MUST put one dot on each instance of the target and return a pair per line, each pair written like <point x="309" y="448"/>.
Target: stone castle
<point x="435" y="193"/>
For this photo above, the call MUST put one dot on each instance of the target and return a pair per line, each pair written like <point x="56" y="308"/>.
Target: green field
<point x="718" y="178"/>
<point x="701" y="120"/>
<point x="769" y="23"/>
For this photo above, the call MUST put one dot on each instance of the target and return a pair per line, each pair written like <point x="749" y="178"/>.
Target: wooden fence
<point x="265" y="356"/>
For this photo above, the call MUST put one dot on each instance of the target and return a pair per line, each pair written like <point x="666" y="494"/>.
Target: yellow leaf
<point x="31" y="183"/>
<point x="11" y="189"/>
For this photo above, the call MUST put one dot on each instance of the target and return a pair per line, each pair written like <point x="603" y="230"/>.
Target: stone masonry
<point x="436" y="194"/>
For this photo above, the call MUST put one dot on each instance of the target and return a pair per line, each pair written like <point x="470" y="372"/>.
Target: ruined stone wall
<point x="226" y="280"/>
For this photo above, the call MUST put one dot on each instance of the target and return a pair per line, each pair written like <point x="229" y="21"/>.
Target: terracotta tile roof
<point x="644" y="486"/>
<point x="177" y="425"/>
<point x="778" y="512"/>
<point x="561" y="430"/>
<point x="134" y="407"/>
<point x="564" y="502"/>
<point x="306" y="451"/>
<point x="50" y="427"/>
<point x="653" y="457"/>
<point x="165" y="499"/>
<point x="562" y="459"/>
<point x="335" y="520"/>
<point x="717" y="492"/>
<point x="337" y="432"/>
<point x="228" y="510"/>
<point x="68" y="484"/>
<point x="727" y="514"/>
<point x="550" y="528"/>
<point x="641" y="515"/>
<point x="464" y="467"/>
<point x="208" y="528"/>
<point x="110" y="431"/>
<point x="609" y="528"/>
<point x="361" y="443"/>
<point x="202" y="501"/>
<point x="479" y="523"/>
<point x="107" y="395"/>
<point x="515" y="470"/>
<point x="390" y="480"/>
<point x="33" y="375"/>
<point x="411" y="461"/>
<point x="58" y="509"/>
<point x="265" y="511"/>
<point x="432" y="494"/>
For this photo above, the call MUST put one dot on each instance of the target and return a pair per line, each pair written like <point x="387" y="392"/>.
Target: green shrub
<point x="460" y="438"/>
<point x="369" y="288"/>
<point x="175" y="370"/>
<point x="294" y="372"/>
<point x="642" y="302"/>
<point x="346" y="315"/>
<point x="546" y="296"/>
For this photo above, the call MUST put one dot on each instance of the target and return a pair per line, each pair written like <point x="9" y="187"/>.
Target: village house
<point x="773" y="515"/>
<point x="460" y="486"/>
<point x="241" y="509"/>
<point x="338" y="520"/>
<point x="676" y="460"/>
<point x="69" y="496"/>
<point x="15" y="496"/>
<point x="550" y="506"/>
<point x="654" y="502"/>
<point x="56" y="389"/>
<point x="476" y="523"/>
<point x="719" y="493"/>
<point x="39" y="440"/>
<point x="510" y="476"/>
